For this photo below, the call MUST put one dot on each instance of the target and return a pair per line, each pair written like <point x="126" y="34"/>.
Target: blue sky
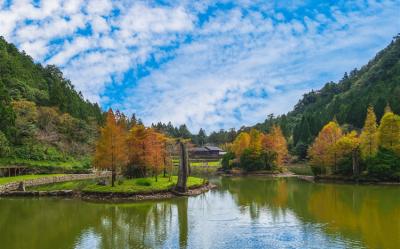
<point x="210" y="64"/>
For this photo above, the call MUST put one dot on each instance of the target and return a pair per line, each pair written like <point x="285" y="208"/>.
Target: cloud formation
<point x="208" y="64"/>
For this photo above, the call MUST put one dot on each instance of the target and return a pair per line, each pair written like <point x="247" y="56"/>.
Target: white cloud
<point x="228" y="68"/>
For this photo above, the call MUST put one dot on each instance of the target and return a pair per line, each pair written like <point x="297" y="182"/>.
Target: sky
<point x="210" y="64"/>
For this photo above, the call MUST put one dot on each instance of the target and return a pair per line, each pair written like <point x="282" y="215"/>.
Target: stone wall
<point x="53" y="179"/>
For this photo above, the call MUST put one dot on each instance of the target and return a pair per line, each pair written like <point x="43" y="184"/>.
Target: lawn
<point x="5" y="180"/>
<point x="300" y="169"/>
<point x="126" y="186"/>
<point x="33" y="163"/>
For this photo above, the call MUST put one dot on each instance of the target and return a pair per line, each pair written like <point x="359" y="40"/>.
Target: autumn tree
<point x="276" y="142"/>
<point x="255" y="140"/>
<point x="241" y="142"/>
<point x="389" y="132"/>
<point x="349" y="144"/>
<point x="111" y="147"/>
<point x="137" y="149"/>
<point x="323" y="151"/>
<point x="155" y="151"/>
<point x="369" y="135"/>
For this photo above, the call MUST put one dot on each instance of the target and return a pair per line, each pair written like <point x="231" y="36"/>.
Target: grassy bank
<point x="300" y="169"/>
<point x="49" y="167"/>
<point x="5" y="180"/>
<point x="137" y="185"/>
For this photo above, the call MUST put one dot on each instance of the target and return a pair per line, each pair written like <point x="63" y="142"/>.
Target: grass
<point x="126" y="186"/>
<point x="211" y="164"/>
<point x="32" y="163"/>
<point x="300" y="169"/>
<point x="5" y="180"/>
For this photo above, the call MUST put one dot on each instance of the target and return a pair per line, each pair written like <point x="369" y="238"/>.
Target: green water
<point x="242" y="213"/>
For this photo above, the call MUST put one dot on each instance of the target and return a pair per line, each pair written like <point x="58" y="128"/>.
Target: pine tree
<point x="369" y="135"/>
<point x="111" y="147"/>
<point x="389" y="132"/>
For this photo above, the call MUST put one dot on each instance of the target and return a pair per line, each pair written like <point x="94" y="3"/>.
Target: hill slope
<point x="42" y="116"/>
<point x="376" y="84"/>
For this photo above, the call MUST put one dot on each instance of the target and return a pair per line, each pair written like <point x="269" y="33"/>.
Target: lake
<point x="248" y="212"/>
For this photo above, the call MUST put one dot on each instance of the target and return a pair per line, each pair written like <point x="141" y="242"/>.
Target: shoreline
<point x="112" y="196"/>
<point x="313" y="179"/>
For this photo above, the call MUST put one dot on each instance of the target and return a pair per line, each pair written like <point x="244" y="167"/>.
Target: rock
<point x="21" y="186"/>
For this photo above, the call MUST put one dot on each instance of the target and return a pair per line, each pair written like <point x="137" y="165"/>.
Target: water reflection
<point x="242" y="213"/>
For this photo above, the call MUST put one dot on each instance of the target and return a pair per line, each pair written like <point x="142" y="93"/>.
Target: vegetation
<point x="375" y="84"/>
<point x="257" y="151"/>
<point x="137" y="185"/>
<point x="334" y="152"/>
<point x="5" y="180"/>
<point x="43" y="118"/>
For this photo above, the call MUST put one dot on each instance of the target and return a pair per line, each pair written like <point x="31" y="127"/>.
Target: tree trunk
<point x="183" y="169"/>
<point x="355" y="163"/>
<point x="113" y="176"/>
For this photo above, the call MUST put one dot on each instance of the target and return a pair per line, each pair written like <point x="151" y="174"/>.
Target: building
<point x="206" y="151"/>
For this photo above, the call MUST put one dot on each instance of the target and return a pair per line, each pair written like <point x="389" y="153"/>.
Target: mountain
<point x="42" y="116"/>
<point x="377" y="84"/>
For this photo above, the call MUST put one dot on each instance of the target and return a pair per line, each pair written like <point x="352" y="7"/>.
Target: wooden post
<point x="181" y="186"/>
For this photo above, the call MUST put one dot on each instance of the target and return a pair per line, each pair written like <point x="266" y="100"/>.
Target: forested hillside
<point x="42" y="116"/>
<point x="376" y="84"/>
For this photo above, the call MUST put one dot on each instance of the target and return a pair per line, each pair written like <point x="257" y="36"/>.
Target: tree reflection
<point x="363" y="213"/>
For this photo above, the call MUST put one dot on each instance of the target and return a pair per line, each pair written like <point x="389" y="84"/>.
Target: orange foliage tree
<point x="147" y="150"/>
<point x="323" y="152"/>
<point x="275" y="141"/>
<point x="111" y="151"/>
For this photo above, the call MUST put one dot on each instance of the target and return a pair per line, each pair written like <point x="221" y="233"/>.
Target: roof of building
<point x="213" y="148"/>
<point x="205" y="149"/>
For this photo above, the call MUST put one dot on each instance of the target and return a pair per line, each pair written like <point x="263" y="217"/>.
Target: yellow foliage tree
<point x="241" y="142"/>
<point x="389" y="132"/>
<point x="349" y="145"/>
<point x="323" y="152"/>
<point x="111" y="150"/>
<point x="255" y="140"/>
<point x="369" y="135"/>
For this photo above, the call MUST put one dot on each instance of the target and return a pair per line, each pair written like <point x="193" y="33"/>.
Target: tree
<point x="276" y="142"/>
<point x="155" y="152"/>
<point x="389" y="132"/>
<point x="111" y="147"/>
<point x="201" y="137"/>
<point x="369" y="135"/>
<point x="241" y="142"/>
<point x="323" y="151"/>
<point x="349" y="145"/>
<point x="26" y="119"/>
<point x="255" y="140"/>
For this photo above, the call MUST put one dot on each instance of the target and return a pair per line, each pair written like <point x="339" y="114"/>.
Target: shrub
<point x="385" y="165"/>
<point x="143" y="182"/>
<point x="252" y="160"/>
<point x="345" y="166"/>
<point x="318" y="170"/>
<point x="227" y="160"/>
<point x="4" y="145"/>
